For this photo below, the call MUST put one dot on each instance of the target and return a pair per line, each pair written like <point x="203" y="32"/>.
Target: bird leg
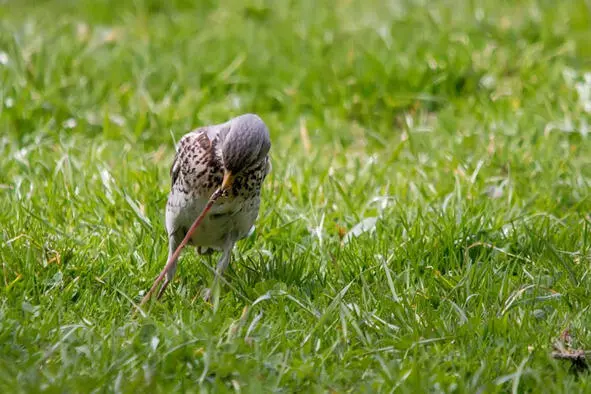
<point x="225" y="259"/>
<point x="221" y="266"/>
<point x="173" y="243"/>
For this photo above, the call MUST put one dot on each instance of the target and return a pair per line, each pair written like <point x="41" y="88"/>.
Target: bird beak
<point x="228" y="180"/>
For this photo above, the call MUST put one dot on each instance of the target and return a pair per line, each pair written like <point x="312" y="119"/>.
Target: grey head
<point x="246" y="144"/>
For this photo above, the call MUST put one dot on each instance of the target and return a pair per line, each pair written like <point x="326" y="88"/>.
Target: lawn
<point x="426" y="226"/>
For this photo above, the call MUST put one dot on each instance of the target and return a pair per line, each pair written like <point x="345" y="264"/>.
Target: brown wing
<point x="175" y="169"/>
<point x="203" y="139"/>
<point x="196" y="140"/>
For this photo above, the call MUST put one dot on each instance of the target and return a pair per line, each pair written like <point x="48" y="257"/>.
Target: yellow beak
<point x="228" y="180"/>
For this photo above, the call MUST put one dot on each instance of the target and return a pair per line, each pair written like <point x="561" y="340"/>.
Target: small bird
<point x="232" y="155"/>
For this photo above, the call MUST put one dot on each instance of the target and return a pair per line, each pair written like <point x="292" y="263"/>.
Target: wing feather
<point x="203" y="142"/>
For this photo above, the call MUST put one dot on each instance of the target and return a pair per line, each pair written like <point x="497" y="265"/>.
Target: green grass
<point x="458" y="127"/>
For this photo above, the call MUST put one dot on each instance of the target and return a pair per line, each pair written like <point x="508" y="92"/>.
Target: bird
<point x="233" y="156"/>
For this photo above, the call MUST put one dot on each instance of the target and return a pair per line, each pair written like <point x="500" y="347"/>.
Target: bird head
<point x="246" y="145"/>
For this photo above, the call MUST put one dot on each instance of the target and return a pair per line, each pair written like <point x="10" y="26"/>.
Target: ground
<point x="425" y="226"/>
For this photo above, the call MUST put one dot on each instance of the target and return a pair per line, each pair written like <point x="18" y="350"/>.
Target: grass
<point x="425" y="228"/>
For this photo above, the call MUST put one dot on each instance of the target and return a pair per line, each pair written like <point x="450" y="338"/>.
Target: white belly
<point x="229" y="220"/>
